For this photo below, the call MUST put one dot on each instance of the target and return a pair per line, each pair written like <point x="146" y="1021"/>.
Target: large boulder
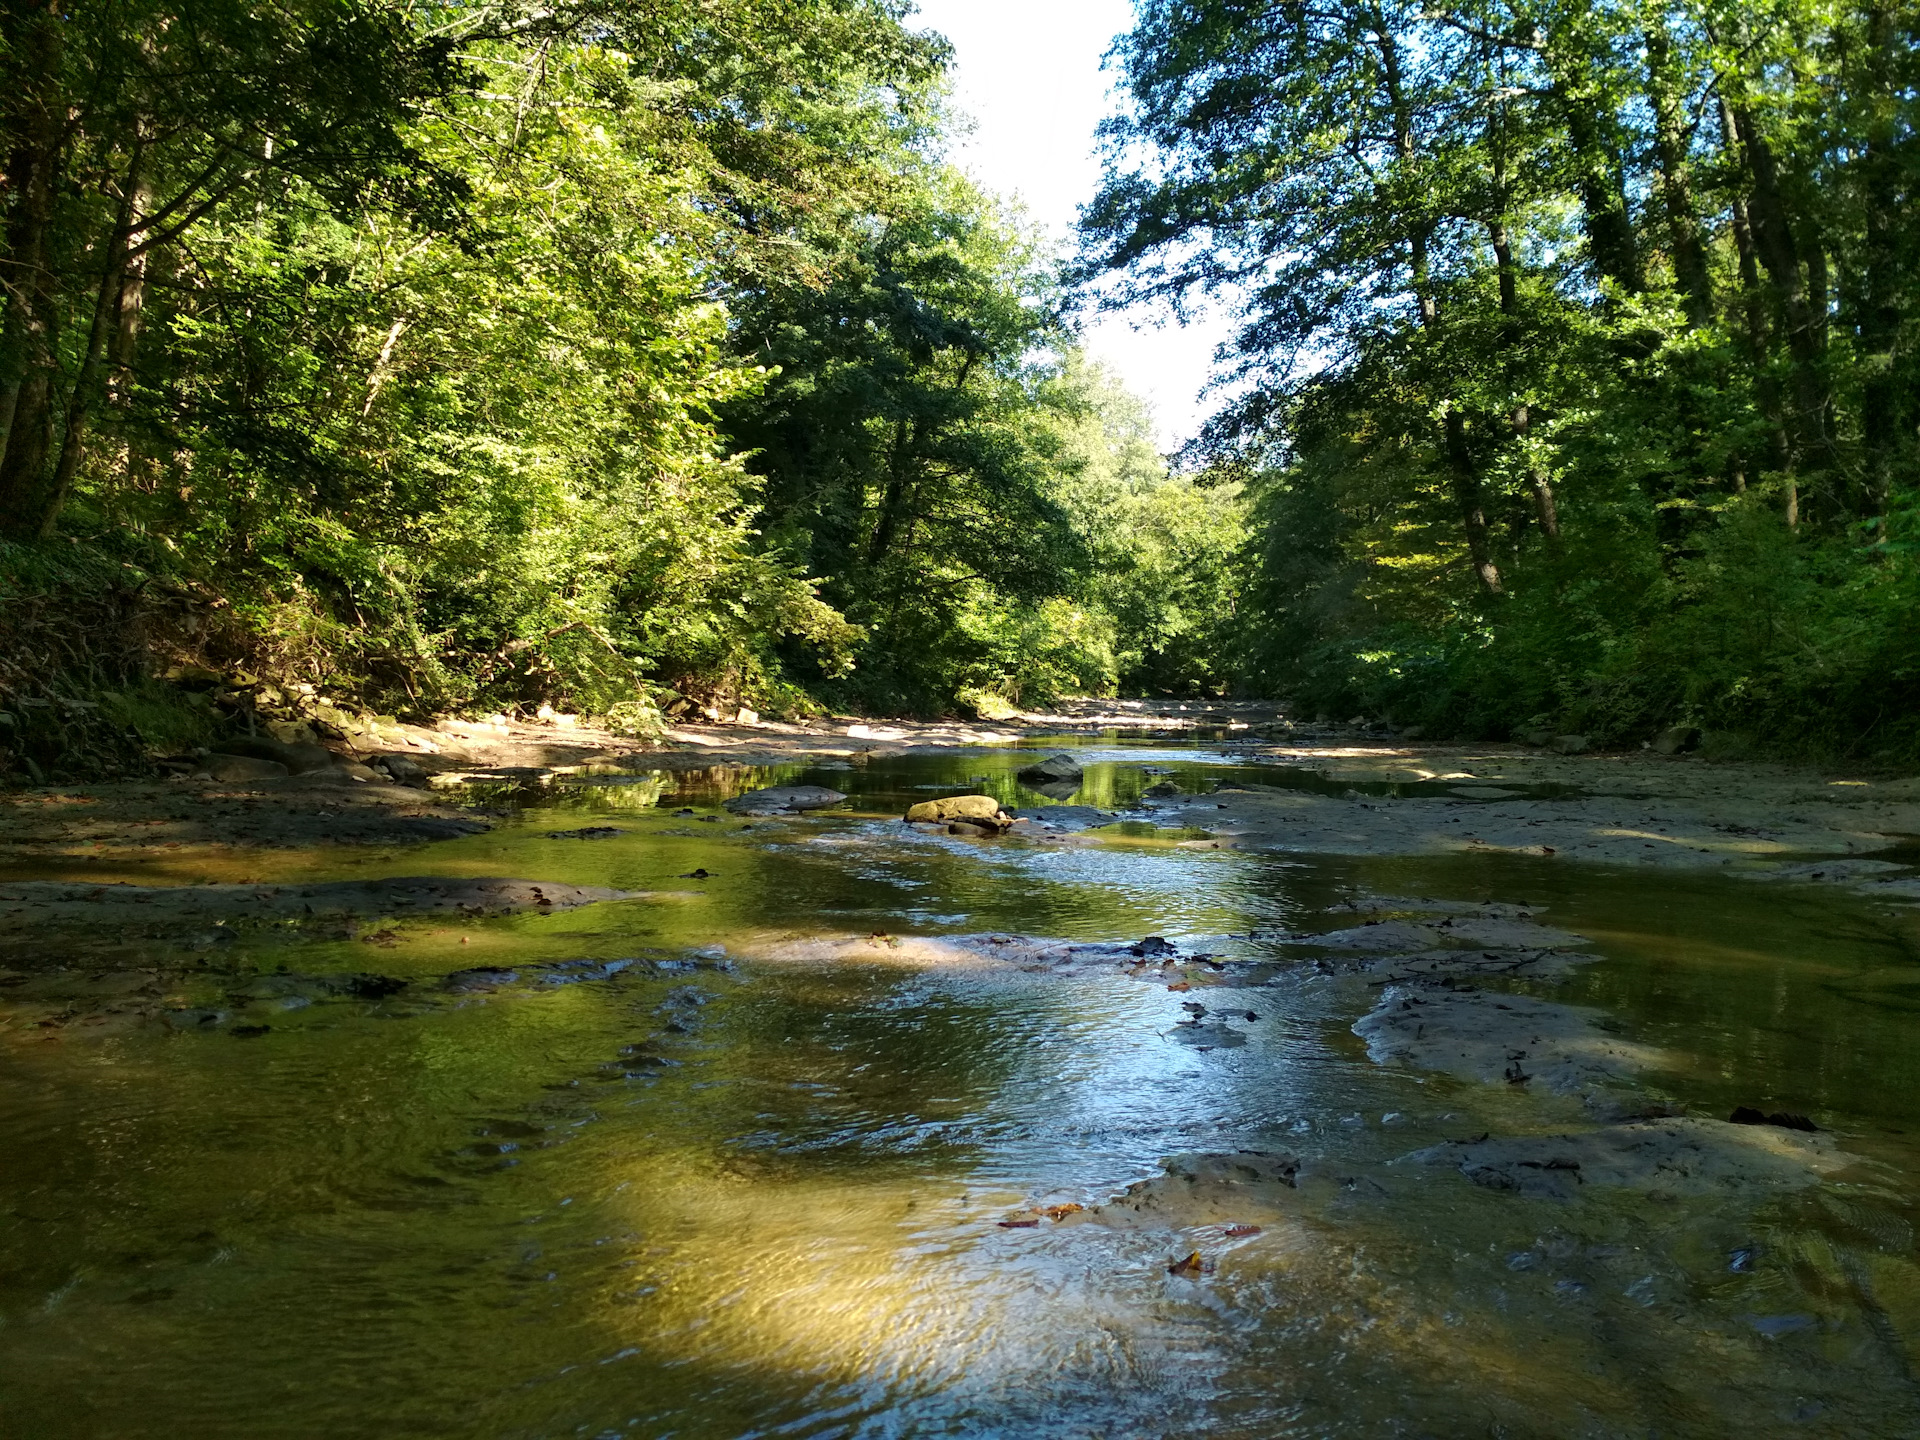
<point x="1054" y="770"/>
<point x="788" y="798"/>
<point x="298" y="759"/>
<point x="1677" y="740"/>
<point x="231" y="768"/>
<point x="978" y="809"/>
<point x="404" y="769"/>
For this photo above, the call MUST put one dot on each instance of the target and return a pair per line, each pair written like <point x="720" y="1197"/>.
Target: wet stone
<point x="790" y="798"/>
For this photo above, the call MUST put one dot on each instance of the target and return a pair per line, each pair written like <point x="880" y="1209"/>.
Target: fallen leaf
<point x="1181" y="985"/>
<point x="1189" y="1267"/>
<point x="1018" y="1224"/>
<point x="1060" y="1212"/>
<point x="1238" y="1232"/>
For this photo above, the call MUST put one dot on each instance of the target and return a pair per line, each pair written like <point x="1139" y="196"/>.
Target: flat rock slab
<point x="1199" y="1189"/>
<point x="1680" y="1156"/>
<point x="1497" y="1039"/>
<point x="1205" y="1035"/>
<point x="1465" y="932"/>
<point x="1444" y="966"/>
<point x="326" y="807"/>
<point x="1745" y="831"/>
<point x="780" y="798"/>
<point x="31" y="911"/>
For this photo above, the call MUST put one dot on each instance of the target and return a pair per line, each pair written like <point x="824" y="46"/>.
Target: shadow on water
<point x="717" y="1196"/>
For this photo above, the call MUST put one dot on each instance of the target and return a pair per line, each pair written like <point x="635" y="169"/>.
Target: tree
<point x="1595" y="285"/>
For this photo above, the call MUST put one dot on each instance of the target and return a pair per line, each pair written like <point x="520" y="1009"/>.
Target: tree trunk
<point x="1599" y="178"/>
<point x="893" y="500"/>
<point x="1466" y="494"/>
<point x="106" y="307"/>
<point x="27" y="357"/>
<point x="1780" y="253"/>
<point x="1883" y="401"/>
<point x="1520" y="420"/>
<point x="1753" y="307"/>
<point x="1676" y="192"/>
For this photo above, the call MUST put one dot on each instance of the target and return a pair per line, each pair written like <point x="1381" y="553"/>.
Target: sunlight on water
<point x="776" y="1155"/>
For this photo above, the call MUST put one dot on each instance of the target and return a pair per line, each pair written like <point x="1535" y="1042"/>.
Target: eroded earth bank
<point x="1226" y="1076"/>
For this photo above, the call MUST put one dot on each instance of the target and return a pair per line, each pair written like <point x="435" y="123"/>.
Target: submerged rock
<point x="1498" y="1038"/>
<point x="789" y="798"/>
<point x="1199" y="1189"/>
<point x="1064" y="817"/>
<point x="1682" y="1156"/>
<point x="1784" y="1120"/>
<point x="287" y="991"/>
<point x="1203" y="1036"/>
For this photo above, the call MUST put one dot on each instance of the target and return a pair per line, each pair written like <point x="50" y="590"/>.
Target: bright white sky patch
<point x="1029" y="73"/>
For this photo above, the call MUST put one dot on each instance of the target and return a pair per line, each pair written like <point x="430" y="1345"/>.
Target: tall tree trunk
<point x="1667" y="93"/>
<point x="1465" y="477"/>
<point x="86" y="385"/>
<point x="1754" y="309"/>
<point x="1884" y="404"/>
<point x="893" y="499"/>
<point x="1600" y="179"/>
<point x="1780" y="253"/>
<point x="1520" y="420"/>
<point x="27" y="356"/>
<point x="129" y="310"/>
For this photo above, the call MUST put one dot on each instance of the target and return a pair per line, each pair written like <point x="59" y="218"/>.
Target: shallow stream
<point x="768" y="1164"/>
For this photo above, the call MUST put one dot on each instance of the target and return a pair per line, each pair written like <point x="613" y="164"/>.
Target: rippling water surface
<point x="734" y="1189"/>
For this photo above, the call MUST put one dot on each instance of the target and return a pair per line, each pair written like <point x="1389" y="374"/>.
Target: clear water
<point x="726" y="1194"/>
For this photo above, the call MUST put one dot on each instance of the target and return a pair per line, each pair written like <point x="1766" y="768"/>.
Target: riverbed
<point x="1197" y="1103"/>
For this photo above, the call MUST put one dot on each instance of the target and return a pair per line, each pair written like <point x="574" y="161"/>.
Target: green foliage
<point x="1578" y="360"/>
<point x="616" y="357"/>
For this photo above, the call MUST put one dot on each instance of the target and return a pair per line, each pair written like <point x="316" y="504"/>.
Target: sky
<point x="1029" y="74"/>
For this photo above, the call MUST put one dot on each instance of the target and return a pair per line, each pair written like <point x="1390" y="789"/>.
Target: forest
<point x="1576" y="384"/>
<point x="639" y="360"/>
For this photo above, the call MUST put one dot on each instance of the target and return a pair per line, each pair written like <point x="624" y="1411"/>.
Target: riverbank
<point x="1332" y="790"/>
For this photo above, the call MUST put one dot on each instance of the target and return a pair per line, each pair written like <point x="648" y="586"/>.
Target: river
<point x="829" y="1130"/>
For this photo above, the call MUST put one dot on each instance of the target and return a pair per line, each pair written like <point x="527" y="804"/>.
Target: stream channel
<point x="842" y="1128"/>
